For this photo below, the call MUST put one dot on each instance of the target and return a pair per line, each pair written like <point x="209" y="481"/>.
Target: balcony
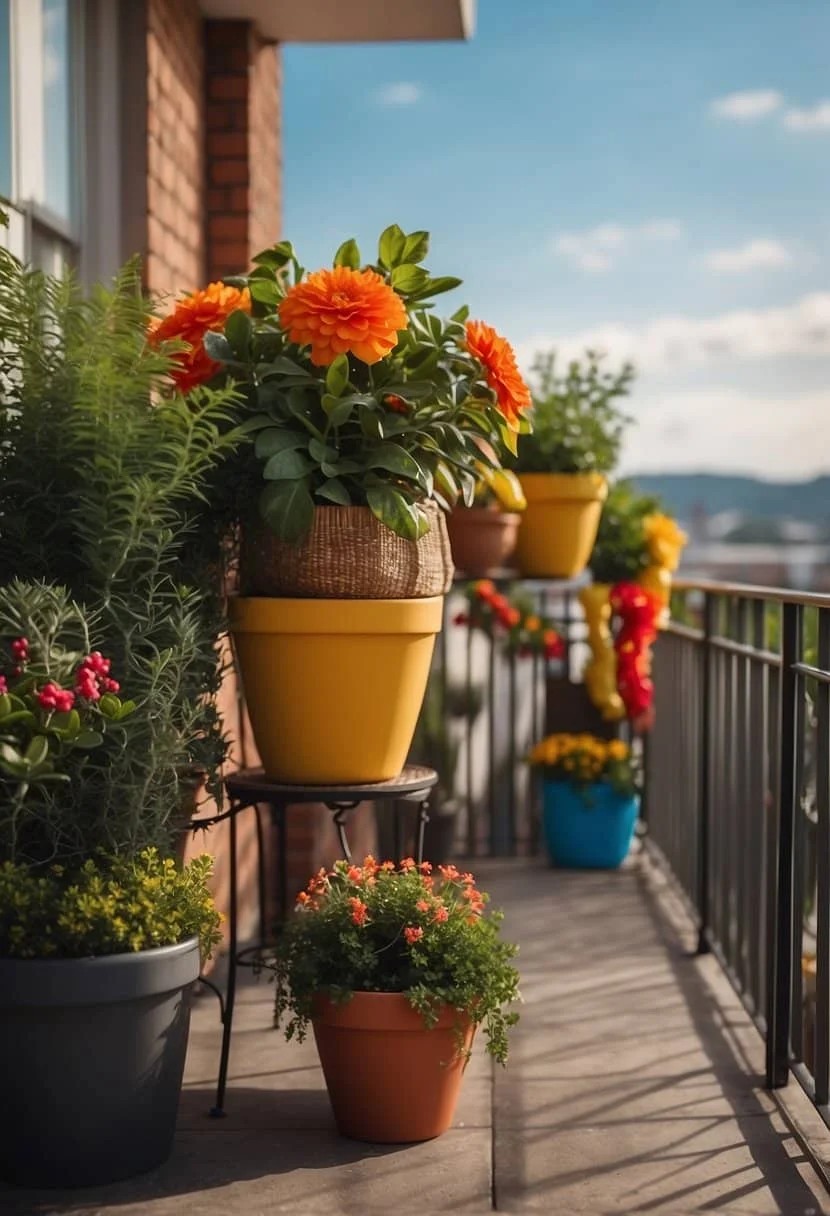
<point x="673" y="1052"/>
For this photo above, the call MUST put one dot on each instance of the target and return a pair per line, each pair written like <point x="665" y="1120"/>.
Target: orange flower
<point x="194" y="316"/>
<point x="496" y="355"/>
<point x="422" y="905"/>
<point x="441" y="915"/>
<point x="341" y="310"/>
<point x="413" y="933"/>
<point x="354" y="874"/>
<point x="408" y="864"/>
<point x="359" y="910"/>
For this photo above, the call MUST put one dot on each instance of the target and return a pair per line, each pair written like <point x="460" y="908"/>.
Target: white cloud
<point x="760" y="254"/>
<point x="746" y="106"/>
<point x="726" y="429"/>
<point x="598" y="249"/>
<point x="800" y="328"/>
<point x="399" y="93"/>
<point x="815" y="119"/>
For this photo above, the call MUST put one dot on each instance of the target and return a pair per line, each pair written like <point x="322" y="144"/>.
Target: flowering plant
<point x="524" y="631"/>
<point x="382" y="927"/>
<point x="584" y="760"/>
<point x="352" y="391"/>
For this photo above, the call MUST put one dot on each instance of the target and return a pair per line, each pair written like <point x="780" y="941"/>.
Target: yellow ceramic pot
<point x="334" y="687"/>
<point x="559" y="526"/>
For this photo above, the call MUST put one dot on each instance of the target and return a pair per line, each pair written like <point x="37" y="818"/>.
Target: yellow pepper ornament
<point x="600" y="674"/>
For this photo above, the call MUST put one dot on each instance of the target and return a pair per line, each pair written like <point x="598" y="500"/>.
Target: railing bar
<point x="749" y="591"/>
<point x="799" y="860"/>
<point x="781" y="961"/>
<point x="821" y="1068"/>
<point x="766" y="657"/>
<point x="812" y="673"/>
<point x="705" y="725"/>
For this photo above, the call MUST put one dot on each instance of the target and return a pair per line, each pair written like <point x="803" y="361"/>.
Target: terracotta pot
<point x="390" y="1079"/>
<point x="559" y="527"/>
<point x="334" y="687"/>
<point x="482" y="539"/>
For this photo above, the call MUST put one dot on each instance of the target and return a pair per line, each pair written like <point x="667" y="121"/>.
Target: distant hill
<point x="683" y="493"/>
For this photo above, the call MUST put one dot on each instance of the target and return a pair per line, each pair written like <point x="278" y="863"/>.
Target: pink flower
<point x="52" y="698"/>
<point x="20" y="649"/>
<point x="3" y="685"/>
<point x="413" y="933"/>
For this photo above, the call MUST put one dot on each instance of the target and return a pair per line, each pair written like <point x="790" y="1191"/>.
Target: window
<point x="39" y="70"/>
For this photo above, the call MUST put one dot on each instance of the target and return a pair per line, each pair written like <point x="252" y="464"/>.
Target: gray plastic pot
<point x="92" y="1055"/>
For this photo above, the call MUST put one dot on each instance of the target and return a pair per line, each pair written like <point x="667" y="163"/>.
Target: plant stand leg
<point x="422" y="821"/>
<point x="340" y="810"/>
<point x="218" y="1109"/>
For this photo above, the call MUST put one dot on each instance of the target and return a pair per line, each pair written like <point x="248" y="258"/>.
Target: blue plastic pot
<point x="588" y="827"/>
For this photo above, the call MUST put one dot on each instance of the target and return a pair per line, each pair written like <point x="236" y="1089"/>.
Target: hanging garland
<point x="512" y="619"/>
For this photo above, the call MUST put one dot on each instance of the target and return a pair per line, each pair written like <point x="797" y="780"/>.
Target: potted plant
<point x="100" y="935"/>
<point x="590" y="799"/>
<point x="483" y="536"/>
<point x="366" y="414"/>
<point x="563" y="464"/>
<point x="394" y="969"/>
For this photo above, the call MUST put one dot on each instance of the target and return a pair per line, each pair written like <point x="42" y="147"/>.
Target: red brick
<point x="228" y="172"/>
<point x="228" y="88"/>
<point x="238" y="199"/>
<point x="228" y="227"/>
<point x="222" y="144"/>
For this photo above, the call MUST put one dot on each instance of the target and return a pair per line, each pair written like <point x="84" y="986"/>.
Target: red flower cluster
<point x="527" y="633"/>
<point x="638" y="612"/>
<point x="92" y="677"/>
<point x="91" y="680"/>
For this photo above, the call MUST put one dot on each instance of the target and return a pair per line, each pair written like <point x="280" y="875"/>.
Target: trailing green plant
<point x="108" y="905"/>
<point x="104" y="489"/>
<point x="621" y="551"/>
<point x="576" y="418"/>
<point x="392" y="928"/>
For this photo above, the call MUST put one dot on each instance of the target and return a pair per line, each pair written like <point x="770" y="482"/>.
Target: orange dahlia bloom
<point x="499" y="362"/>
<point x="343" y="310"/>
<point x="193" y="317"/>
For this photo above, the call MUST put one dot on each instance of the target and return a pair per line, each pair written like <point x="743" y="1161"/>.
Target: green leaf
<point x="274" y="440"/>
<point x="67" y="725"/>
<point x="128" y="707"/>
<point x="282" y="366"/>
<point x="348" y="255"/>
<point x="337" y="376"/>
<point x="278" y="255"/>
<point x="288" y="509"/>
<point x="461" y="314"/>
<point x="320" y="451"/>
<point x="340" y="468"/>
<point x="394" y="459"/>
<point x="337" y="410"/>
<point x="218" y="347"/>
<point x="265" y="291"/>
<point x="409" y="279"/>
<point x="37" y="751"/>
<point x="5" y="705"/>
<point x="391" y="246"/>
<point x="109" y="706"/>
<point x="89" y="738"/>
<point x="335" y="491"/>
<point x="370" y="423"/>
<point x="391" y="508"/>
<point x="238" y="331"/>
<point x="288" y="465"/>
<point x="435" y="287"/>
<point x="416" y="247"/>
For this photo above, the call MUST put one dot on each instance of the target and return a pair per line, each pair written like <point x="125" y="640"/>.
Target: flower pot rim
<point x="368" y="1009"/>
<point x="107" y="978"/>
<point x="538" y="487"/>
<point x="266" y="614"/>
<point x="481" y="515"/>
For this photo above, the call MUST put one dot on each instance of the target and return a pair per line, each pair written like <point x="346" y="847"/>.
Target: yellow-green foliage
<point x="113" y="906"/>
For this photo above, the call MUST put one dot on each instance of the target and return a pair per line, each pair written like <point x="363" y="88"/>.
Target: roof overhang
<point x="350" y="20"/>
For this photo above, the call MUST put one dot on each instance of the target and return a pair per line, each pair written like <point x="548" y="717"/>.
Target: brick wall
<point x="175" y="256"/>
<point x="243" y="145"/>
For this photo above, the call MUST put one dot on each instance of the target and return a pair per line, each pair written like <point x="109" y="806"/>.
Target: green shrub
<point x="108" y="906"/>
<point x="620" y="552"/>
<point x="577" y="423"/>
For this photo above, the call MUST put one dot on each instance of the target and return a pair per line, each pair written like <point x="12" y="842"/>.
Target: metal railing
<point x="738" y="803"/>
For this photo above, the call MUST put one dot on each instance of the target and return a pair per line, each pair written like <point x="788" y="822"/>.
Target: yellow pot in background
<point x="559" y="526"/>
<point x="334" y="687"/>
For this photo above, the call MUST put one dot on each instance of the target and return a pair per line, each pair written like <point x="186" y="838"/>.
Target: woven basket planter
<point x="349" y="554"/>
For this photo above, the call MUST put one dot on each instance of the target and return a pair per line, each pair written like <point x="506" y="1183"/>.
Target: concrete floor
<point x="633" y="1087"/>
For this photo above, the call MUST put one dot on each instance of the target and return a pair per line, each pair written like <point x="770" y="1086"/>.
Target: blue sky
<point x="647" y="176"/>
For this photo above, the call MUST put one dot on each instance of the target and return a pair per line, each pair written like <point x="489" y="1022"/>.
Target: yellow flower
<point x="665" y="540"/>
